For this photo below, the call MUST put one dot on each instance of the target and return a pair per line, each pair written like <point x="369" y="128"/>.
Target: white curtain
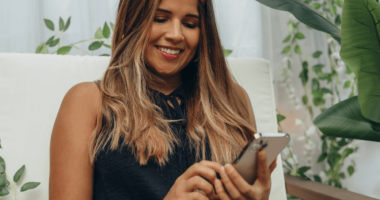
<point x="23" y="27"/>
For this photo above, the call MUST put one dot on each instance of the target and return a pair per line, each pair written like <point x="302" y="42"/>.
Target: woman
<point x="164" y="119"/>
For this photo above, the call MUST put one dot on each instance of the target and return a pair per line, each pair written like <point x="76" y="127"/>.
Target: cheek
<point x="193" y="41"/>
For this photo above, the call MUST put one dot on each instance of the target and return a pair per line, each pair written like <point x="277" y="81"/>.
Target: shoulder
<point x="85" y="96"/>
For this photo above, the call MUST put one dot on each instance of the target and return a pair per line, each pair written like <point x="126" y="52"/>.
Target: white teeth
<point x="169" y="51"/>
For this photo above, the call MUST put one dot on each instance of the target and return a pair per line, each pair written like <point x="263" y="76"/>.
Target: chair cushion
<point x="32" y="87"/>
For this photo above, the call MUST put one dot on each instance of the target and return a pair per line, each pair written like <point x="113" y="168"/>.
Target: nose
<point x="174" y="33"/>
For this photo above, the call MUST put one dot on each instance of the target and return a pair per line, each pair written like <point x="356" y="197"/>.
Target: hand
<point x="238" y="188"/>
<point x="186" y="185"/>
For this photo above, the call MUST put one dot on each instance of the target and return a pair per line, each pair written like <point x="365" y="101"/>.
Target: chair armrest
<point x="312" y="190"/>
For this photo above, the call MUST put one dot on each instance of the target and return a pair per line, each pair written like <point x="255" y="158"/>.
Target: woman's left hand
<point x="238" y="188"/>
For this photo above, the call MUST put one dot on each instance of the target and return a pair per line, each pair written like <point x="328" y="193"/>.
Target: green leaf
<point x="303" y="169"/>
<point x="315" y="85"/>
<point x="109" y="46"/>
<point x="339" y="3"/>
<point x="280" y="118"/>
<point x="106" y="30"/>
<point x="3" y="192"/>
<point x="95" y="45"/>
<point x="29" y="186"/>
<point x="7" y="184"/>
<point x="3" y="180"/>
<point x="316" y="5"/>
<point x="67" y="24"/>
<point x="304" y="73"/>
<point x="361" y="51"/>
<point x="342" y="142"/>
<point x="287" y="39"/>
<point x="112" y="26"/>
<point x="286" y="50"/>
<point x="326" y="91"/>
<point x="49" y="24"/>
<point x="305" y="14"/>
<point x="350" y="170"/>
<point x="318" y="101"/>
<point x="322" y="157"/>
<point x="347" y="84"/>
<point x="105" y="54"/>
<point x="342" y="175"/>
<point x="50" y="40"/>
<point x="317" y="94"/>
<point x="317" y="54"/>
<point x="345" y="120"/>
<point x="42" y="49"/>
<point x="348" y="70"/>
<point x="64" y="50"/>
<point x="61" y="24"/>
<point x="347" y="152"/>
<point x="338" y="20"/>
<point x="18" y="174"/>
<point x="300" y="36"/>
<point x="54" y="43"/>
<point x="99" y="33"/>
<point x="2" y="163"/>
<point x="305" y="99"/>
<point x="324" y="146"/>
<point x="317" y="178"/>
<point x="227" y="52"/>
<point x="297" y="49"/>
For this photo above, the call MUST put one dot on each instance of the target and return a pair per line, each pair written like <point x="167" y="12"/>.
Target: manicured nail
<point x="228" y="168"/>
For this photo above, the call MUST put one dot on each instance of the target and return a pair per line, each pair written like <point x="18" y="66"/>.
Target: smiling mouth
<point x="169" y="51"/>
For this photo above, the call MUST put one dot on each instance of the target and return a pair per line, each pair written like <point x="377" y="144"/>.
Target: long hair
<point x="215" y="108"/>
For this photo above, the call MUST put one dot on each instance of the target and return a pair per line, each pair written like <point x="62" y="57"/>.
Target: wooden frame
<point x="312" y="190"/>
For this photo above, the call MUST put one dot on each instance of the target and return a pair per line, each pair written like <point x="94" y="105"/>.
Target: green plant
<point x="361" y="52"/>
<point x="321" y="83"/>
<point x="101" y="38"/>
<point x="6" y="181"/>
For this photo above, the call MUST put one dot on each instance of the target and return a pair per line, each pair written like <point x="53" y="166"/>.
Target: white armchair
<point x="32" y="87"/>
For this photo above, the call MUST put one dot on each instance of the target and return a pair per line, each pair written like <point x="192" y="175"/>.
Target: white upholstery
<point x="32" y="87"/>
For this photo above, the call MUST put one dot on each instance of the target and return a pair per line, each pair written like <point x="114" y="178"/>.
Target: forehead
<point x="180" y="6"/>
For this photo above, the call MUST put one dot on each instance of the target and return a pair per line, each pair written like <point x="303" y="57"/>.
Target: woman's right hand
<point x="185" y="187"/>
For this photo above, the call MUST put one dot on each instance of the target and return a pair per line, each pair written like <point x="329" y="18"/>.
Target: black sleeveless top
<point x="117" y="175"/>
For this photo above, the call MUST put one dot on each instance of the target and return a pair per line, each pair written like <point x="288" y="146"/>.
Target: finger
<point x="263" y="175"/>
<point x="273" y="166"/>
<point x="220" y="191"/>
<point x="197" y="182"/>
<point x="230" y="187"/>
<point x="244" y="188"/>
<point x="198" y="169"/>
<point x="197" y="195"/>
<point x="213" y="165"/>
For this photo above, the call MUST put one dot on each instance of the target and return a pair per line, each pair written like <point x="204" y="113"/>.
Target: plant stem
<point x="13" y="186"/>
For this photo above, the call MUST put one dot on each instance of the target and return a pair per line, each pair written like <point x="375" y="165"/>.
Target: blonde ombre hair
<point x="215" y="106"/>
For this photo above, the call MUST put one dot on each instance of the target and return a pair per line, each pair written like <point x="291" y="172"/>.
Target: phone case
<point x="273" y="143"/>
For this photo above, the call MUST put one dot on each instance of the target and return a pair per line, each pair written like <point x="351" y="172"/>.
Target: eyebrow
<point x="170" y="12"/>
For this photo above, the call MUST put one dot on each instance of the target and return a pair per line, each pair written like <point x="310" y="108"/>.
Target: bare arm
<point x="71" y="174"/>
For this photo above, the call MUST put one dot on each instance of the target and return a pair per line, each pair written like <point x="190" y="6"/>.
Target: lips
<point x="168" y="55"/>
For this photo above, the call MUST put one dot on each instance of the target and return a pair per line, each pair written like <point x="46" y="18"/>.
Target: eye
<point x="159" y="20"/>
<point x="190" y="25"/>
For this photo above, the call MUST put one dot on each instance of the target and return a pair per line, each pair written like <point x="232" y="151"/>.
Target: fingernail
<point x="228" y="168"/>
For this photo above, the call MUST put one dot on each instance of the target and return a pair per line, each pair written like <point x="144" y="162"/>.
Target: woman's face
<point x="173" y="37"/>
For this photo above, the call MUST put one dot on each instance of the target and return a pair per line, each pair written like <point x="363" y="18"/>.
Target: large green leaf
<point x="361" y="51"/>
<point x="305" y="14"/>
<point x="345" y="120"/>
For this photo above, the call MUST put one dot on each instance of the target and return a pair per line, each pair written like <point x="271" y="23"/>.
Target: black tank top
<point x="117" y="175"/>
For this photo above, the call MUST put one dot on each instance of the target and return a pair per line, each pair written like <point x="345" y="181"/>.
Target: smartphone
<point x="246" y="163"/>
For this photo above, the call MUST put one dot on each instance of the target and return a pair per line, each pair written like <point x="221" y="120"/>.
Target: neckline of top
<point x="180" y="90"/>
